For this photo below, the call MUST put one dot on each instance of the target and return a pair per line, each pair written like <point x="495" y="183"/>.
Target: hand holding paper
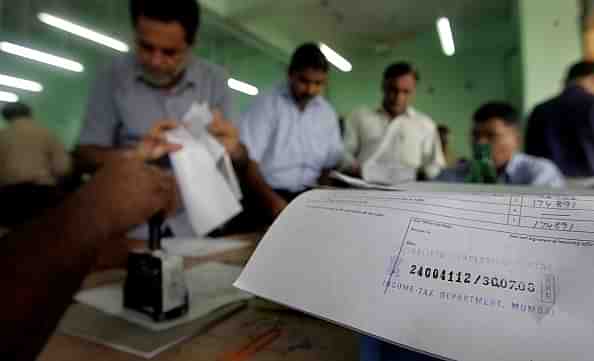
<point x="208" y="198"/>
<point x="224" y="131"/>
<point x="203" y="170"/>
<point x="155" y="145"/>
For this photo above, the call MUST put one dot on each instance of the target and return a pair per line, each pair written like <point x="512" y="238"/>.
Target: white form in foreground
<point x="462" y="276"/>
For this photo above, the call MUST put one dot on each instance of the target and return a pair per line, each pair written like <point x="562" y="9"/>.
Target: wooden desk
<point x="302" y="337"/>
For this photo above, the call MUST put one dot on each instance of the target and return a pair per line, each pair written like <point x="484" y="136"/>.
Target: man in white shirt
<point x="396" y="135"/>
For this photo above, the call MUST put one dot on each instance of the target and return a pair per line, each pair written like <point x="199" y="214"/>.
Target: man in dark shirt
<point x="562" y="129"/>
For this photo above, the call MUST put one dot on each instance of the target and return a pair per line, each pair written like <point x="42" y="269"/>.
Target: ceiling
<point x="278" y="26"/>
<point x="349" y="25"/>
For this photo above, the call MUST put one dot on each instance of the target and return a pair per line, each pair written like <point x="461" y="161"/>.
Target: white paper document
<point x="461" y="276"/>
<point x="200" y="247"/>
<point x="196" y="121"/>
<point x="209" y="197"/>
<point x="210" y="287"/>
<point x="384" y="165"/>
<point x="93" y="325"/>
<point x="387" y="173"/>
<point x="359" y="183"/>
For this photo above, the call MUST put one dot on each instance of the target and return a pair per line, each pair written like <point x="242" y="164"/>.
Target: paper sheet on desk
<point x="92" y="325"/>
<point x="209" y="197"/>
<point x="200" y="247"/>
<point x="461" y="276"/>
<point x="359" y="183"/>
<point x="210" y="287"/>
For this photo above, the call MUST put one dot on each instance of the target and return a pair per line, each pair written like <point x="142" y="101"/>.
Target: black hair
<point x="13" y="111"/>
<point x="308" y="56"/>
<point x="443" y="129"/>
<point x="399" y="69"/>
<point x="579" y="70"/>
<point x="185" y="12"/>
<point x="501" y="110"/>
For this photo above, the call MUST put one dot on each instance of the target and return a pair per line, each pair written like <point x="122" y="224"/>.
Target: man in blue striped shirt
<point x="293" y="132"/>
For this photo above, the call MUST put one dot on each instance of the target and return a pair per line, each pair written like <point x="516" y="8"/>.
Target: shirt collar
<point x="409" y="112"/>
<point x="189" y="77"/>
<point x="575" y="89"/>
<point x="513" y="165"/>
<point x="285" y="91"/>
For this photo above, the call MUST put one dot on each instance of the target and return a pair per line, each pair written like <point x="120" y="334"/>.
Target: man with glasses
<point x="497" y="124"/>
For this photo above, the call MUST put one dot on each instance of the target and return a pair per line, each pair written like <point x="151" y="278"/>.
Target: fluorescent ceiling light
<point x="83" y="32"/>
<point x="8" y="97"/>
<point x="18" y="83"/>
<point x="446" y="37"/>
<point x="41" y="57"/>
<point x="242" y="87"/>
<point x="336" y="59"/>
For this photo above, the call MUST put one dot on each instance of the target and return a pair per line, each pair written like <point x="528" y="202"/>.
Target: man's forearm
<point x="89" y="158"/>
<point x="265" y="195"/>
<point x="240" y="158"/>
<point x="42" y="265"/>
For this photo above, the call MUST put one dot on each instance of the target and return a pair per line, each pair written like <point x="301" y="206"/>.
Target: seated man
<point x="497" y="124"/>
<point x="29" y="152"/>
<point x="395" y="134"/>
<point x="293" y="132"/>
<point x="34" y="166"/>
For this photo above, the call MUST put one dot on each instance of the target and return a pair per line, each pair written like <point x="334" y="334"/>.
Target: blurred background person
<point x="30" y="153"/>
<point x="444" y="137"/>
<point x="497" y="125"/>
<point x="405" y="135"/>
<point x="562" y="129"/>
<point x="34" y="166"/>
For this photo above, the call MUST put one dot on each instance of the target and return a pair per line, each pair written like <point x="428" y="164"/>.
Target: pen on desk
<point x="255" y="346"/>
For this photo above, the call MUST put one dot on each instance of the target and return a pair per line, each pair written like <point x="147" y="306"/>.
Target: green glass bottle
<point x="482" y="168"/>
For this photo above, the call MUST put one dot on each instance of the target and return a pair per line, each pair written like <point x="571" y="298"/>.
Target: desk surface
<point x="302" y="337"/>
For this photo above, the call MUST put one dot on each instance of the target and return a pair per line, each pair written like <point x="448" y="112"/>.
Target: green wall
<point x="549" y="33"/>
<point x="451" y="88"/>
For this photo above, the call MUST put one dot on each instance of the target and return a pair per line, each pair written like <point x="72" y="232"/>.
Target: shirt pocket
<point x="137" y="113"/>
<point x="373" y="132"/>
<point x="410" y="149"/>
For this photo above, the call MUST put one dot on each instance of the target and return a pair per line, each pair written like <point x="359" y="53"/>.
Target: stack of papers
<point x="100" y="316"/>
<point x="200" y="247"/>
<point x="210" y="287"/>
<point x="90" y="324"/>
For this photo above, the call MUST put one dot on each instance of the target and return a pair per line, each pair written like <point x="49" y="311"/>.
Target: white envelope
<point x="196" y="121"/>
<point x="207" y="196"/>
